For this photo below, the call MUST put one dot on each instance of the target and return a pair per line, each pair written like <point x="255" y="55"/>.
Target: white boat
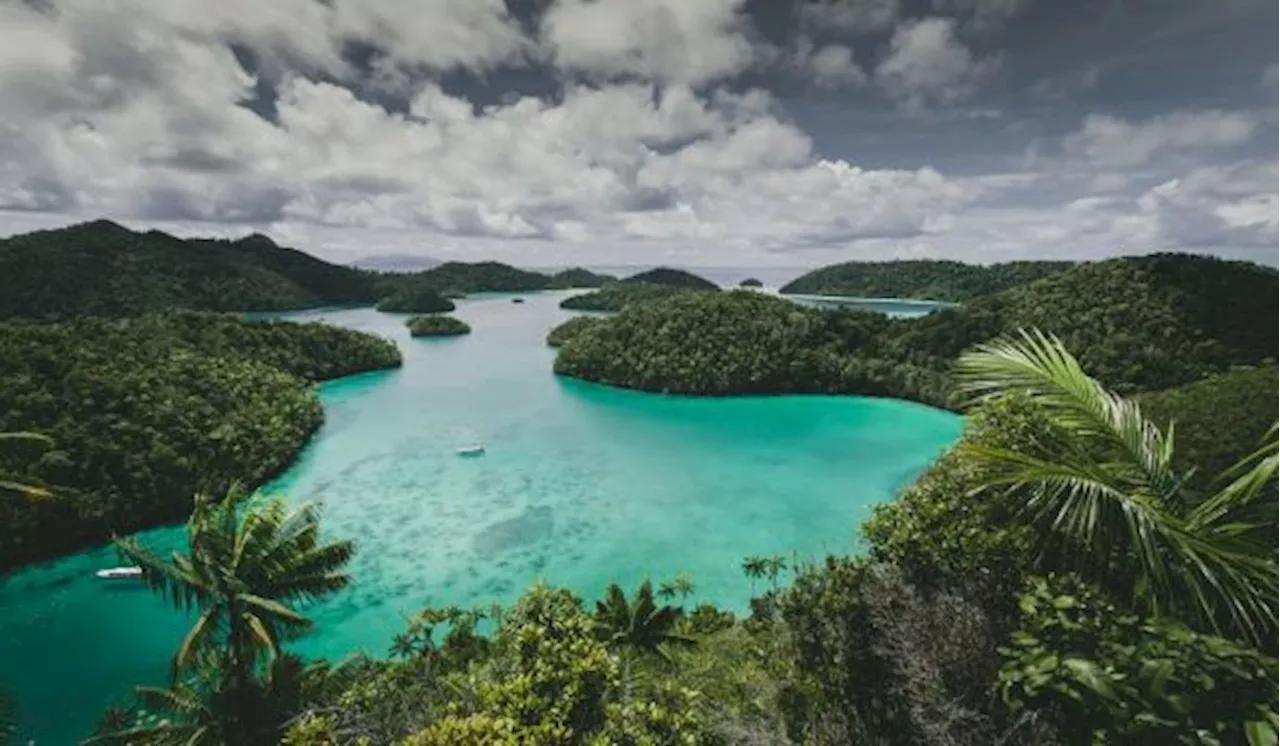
<point x="471" y="451"/>
<point x="120" y="573"/>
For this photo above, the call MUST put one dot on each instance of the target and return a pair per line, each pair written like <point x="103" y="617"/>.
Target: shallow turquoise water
<point x="581" y="485"/>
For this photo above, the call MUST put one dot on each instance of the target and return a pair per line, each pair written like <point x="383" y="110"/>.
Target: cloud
<point x="927" y="64"/>
<point x="1112" y="141"/>
<point x="662" y="40"/>
<point x="833" y="66"/>
<point x="848" y="16"/>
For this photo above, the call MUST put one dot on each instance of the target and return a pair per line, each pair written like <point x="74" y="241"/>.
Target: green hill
<point x="101" y="268"/>
<point x="616" y="296"/>
<point x="920" y="279"/>
<point x="673" y="277"/>
<point x="145" y="411"/>
<point x="580" y="278"/>
<point x="480" y="277"/>
<point x="416" y="299"/>
<point x="1136" y="323"/>
<point x="436" y="326"/>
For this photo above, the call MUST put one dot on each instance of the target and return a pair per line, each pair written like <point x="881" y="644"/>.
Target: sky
<point x="691" y="132"/>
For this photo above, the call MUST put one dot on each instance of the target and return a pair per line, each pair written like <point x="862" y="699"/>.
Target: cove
<point x="580" y="484"/>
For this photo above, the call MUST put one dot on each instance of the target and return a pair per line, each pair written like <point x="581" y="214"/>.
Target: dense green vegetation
<point x="751" y="282"/>
<point x="578" y="277"/>
<point x="673" y="277"/>
<point x="924" y="279"/>
<point x="1048" y="582"/>
<point x="740" y="342"/>
<point x="563" y="332"/>
<point x="1138" y="323"/>
<point x="104" y="269"/>
<point x="145" y="412"/>
<point x="1245" y="398"/>
<point x="618" y="295"/>
<point x="418" y="299"/>
<point x="482" y="277"/>
<point x="437" y="326"/>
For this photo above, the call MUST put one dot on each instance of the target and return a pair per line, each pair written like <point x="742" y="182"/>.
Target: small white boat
<point x="471" y="451"/>
<point x="120" y="573"/>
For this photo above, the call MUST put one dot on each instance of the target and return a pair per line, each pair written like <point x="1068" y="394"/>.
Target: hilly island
<point x="478" y="504"/>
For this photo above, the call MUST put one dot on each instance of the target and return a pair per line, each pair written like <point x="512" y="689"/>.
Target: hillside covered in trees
<point x="672" y="277"/>
<point x="974" y="614"/>
<point x="143" y="412"/>
<point x="922" y="279"/>
<point x="101" y="268"/>
<point x="616" y="296"/>
<point x="1139" y="323"/>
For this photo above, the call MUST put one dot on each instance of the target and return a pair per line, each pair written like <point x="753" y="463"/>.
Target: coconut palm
<point x="1109" y="504"/>
<point x="640" y="626"/>
<point x="246" y="568"/>
<point x="755" y="567"/>
<point x="10" y="484"/>
<point x="681" y="585"/>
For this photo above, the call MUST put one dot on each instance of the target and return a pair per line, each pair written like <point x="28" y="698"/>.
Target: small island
<point x="578" y="277"/>
<point x="419" y="299"/>
<point x="437" y="326"/>
<point x="751" y="282"/>
<point x="673" y="278"/>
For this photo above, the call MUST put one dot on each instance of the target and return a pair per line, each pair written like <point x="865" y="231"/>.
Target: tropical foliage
<point x="923" y="279"/>
<point x="437" y="326"/>
<point x="247" y="569"/>
<point x="739" y="342"/>
<point x="1137" y="323"/>
<point x="144" y="413"/>
<point x="418" y="299"/>
<point x="618" y="295"/>
<point x="103" y="269"/>
<point x="479" y="277"/>
<point x="578" y="277"/>
<point x="672" y="277"/>
<point x="564" y="332"/>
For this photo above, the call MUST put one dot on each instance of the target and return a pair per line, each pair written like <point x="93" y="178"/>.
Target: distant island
<point x="101" y="268"/>
<point x="437" y="326"/>
<point x="924" y="279"/>
<point x="416" y="299"/>
<point x="751" y="282"/>
<point x="653" y="284"/>
<point x="1138" y="323"/>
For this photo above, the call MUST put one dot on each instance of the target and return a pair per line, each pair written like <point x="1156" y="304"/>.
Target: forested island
<point x="920" y="279"/>
<point x="975" y="614"/>
<point x="101" y="268"/>
<point x="436" y="326"/>
<point x="420" y="299"/>
<point x="142" y="413"/>
<point x="1138" y="323"/>
<point x="1073" y="571"/>
<point x="650" y="285"/>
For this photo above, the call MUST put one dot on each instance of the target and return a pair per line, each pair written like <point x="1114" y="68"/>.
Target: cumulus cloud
<point x="123" y="117"/>
<point x="927" y="64"/>
<point x="1113" y="141"/>
<point x="665" y="40"/>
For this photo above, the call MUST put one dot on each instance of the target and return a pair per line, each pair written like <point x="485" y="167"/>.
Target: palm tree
<point x="681" y="585"/>
<point x="755" y="567"/>
<point x="640" y="626"/>
<point x="244" y="571"/>
<point x="1108" y="503"/>
<point x="774" y="565"/>
<point x="14" y="484"/>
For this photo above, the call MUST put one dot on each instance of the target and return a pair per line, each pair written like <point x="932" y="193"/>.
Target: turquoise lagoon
<point x="581" y="485"/>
